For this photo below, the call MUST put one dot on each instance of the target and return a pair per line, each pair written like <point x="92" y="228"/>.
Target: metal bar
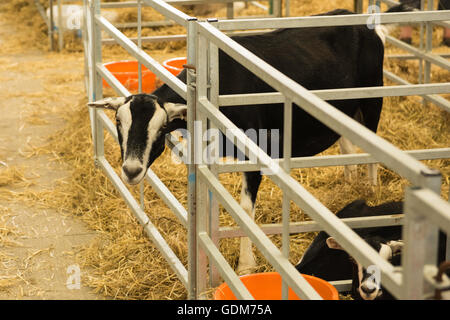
<point x="131" y="4"/>
<point x="413" y="253"/>
<point x="287" y="153"/>
<point x="178" y="37"/>
<point x="264" y="244"/>
<point x="191" y="188"/>
<point x="52" y="27"/>
<point x="312" y="226"/>
<point x="41" y="11"/>
<point x="85" y="41"/>
<point x="413" y="57"/>
<point x="230" y="10"/>
<point x="111" y="80"/>
<point x="430" y="57"/>
<point x="338" y="94"/>
<point x="149" y="228"/>
<point x="287" y="8"/>
<point x="332" y="160"/>
<point x="97" y="80"/>
<point x="421" y="241"/>
<point x="382" y="150"/>
<point x="429" y="45"/>
<point x="432" y="206"/>
<point x="437" y="100"/>
<point x="228" y="274"/>
<point x="146" y="24"/>
<point x="352" y="243"/>
<point x="60" y="27"/>
<point x="336" y="20"/>
<point x="213" y="94"/>
<point x="169" y="11"/>
<point x="342" y="285"/>
<point x="200" y="127"/>
<point x="176" y="84"/>
<point x="139" y="42"/>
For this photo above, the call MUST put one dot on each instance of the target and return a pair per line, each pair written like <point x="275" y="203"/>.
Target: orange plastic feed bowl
<point x="127" y="73"/>
<point x="175" y="65"/>
<point x="267" y="286"/>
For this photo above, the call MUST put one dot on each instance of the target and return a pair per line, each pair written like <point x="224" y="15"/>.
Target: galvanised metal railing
<point x="204" y="189"/>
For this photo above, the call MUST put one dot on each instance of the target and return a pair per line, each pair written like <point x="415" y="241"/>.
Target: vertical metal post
<point x="287" y="8"/>
<point x="60" y="26"/>
<point x="213" y="96"/>
<point x="200" y="128"/>
<point x="97" y="86"/>
<point x="358" y="6"/>
<point x="413" y="258"/>
<point x="287" y="152"/>
<point x="421" y="242"/>
<point x="51" y="27"/>
<point x="428" y="44"/>
<point x="191" y="107"/>
<point x="277" y="12"/>
<point x="421" y="31"/>
<point x="85" y="39"/>
<point x="139" y="34"/>
<point x="230" y="10"/>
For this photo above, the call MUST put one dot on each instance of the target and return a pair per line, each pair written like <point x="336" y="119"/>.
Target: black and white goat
<point x="322" y="260"/>
<point x="326" y="259"/>
<point x="317" y="58"/>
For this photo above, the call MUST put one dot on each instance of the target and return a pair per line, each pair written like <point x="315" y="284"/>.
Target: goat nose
<point x="132" y="172"/>
<point x="368" y="289"/>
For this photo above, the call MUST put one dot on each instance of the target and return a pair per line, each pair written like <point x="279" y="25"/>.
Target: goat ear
<point x="108" y="103"/>
<point x="396" y="246"/>
<point x="333" y="244"/>
<point x="176" y="111"/>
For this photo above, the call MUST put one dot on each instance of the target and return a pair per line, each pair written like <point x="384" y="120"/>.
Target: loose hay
<point x="122" y="263"/>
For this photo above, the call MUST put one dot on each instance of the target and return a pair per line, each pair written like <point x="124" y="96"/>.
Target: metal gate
<point x="425" y="211"/>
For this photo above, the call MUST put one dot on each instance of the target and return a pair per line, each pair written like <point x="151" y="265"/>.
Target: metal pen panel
<point x="169" y="11"/>
<point x="149" y="228"/>
<point x="339" y="94"/>
<point x="177" y="85"/>
<point x="321" y="110"/>
<point x="233" y="281"/>
<point x="336" y="20"/>
<point x="312" y="226"/>
<point x="300" y="286"/>
<point x="352" y="243"/>
<point x="332" y="160"/>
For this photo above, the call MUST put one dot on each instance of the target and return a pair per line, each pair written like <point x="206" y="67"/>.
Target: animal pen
<point x="425" y="212"/>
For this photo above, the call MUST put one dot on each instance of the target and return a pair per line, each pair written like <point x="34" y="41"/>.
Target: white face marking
<point x="124" y="116"/>
<point x="369" y="283"/>
<point x="386" y="253"/>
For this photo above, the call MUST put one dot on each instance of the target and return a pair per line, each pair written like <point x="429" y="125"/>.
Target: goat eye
<point x="118" y="122"/>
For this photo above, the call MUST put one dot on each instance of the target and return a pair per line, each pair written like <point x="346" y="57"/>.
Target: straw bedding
<point x="122" y="263"/>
